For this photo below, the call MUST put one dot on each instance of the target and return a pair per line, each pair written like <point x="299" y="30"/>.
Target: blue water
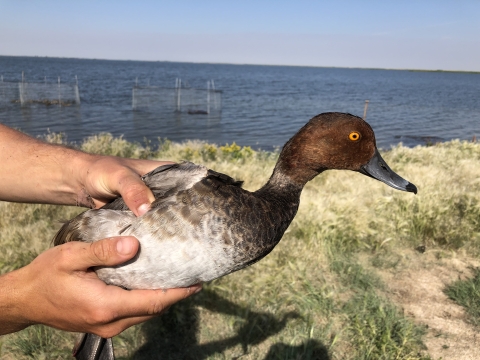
<point x="263" y="106"/>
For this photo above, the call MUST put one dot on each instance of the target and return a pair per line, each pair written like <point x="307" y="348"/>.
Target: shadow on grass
<point x="173" y="335"/>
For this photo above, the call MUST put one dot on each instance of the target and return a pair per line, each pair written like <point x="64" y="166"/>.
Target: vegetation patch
<point x="380" y="331"/>
<point x="467" y="294"/>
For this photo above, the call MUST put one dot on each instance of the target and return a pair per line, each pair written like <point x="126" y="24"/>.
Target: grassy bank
<point x="345" y="282"/>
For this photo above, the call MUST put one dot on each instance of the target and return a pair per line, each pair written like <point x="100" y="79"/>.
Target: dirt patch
<point x="416" y="285"/>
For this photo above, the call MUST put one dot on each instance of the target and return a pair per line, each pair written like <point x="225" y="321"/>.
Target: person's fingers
<point x="119" y="176"/>
<point x="79" y="256"/>
<point x="61" y="279"/>
<point x="136" y="303"/>
<point x="128" y="308"/>
<point x="115" y="328"/>
<point x="135" y="193"/>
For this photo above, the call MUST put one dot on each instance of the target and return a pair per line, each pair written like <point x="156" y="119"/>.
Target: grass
<point x="467" y="294"/>
<point x="40" y="342"/>
<point x="314" y="296"/>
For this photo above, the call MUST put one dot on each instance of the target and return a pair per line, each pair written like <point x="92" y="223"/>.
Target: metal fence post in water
<point x="178" y="87"/>
<point x="208" y="97"/>
<point x="214" y="95"/>
<point x="77" y="93"/>
<point x="134" y="94"/>
<point x="365" y="109"/>
<point x="21" y="89"/>
<point x="59" y="95"/>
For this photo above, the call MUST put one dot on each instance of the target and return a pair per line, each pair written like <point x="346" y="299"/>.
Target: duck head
<point x="336" y="141"/>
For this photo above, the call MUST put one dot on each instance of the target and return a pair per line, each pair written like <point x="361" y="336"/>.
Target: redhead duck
<point x="203" y="225"/>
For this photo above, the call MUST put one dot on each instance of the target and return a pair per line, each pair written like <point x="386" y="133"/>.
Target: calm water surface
<point x="263" y="106"/>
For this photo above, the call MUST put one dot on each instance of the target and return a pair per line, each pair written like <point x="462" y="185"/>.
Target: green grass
<point x="320" y="293"/>
<point x="40" y="342"/>
<point x="380" y="331"/>
<point x="376" y="327"/>
<point x="467" y="294"/>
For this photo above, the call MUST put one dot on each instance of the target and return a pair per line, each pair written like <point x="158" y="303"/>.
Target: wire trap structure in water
<point x="181" y="99"/>
<point x="9" y="92"/>
<point x="27" y="93"/>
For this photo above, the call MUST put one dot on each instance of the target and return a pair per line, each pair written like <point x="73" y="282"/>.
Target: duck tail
<point x="93" y="347"/>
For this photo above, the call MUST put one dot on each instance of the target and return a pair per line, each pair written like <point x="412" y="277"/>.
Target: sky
<point x="408" y="34"/>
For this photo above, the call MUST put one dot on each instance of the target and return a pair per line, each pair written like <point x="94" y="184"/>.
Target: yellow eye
<point x="354" y="136"/>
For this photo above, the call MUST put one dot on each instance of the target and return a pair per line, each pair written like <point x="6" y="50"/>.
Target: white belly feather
<point x="176" y="261"/>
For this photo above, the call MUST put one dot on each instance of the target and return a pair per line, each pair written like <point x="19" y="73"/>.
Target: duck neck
<point x="279" y="201"/>
<point x="295" y="167"/>
<point x="281" y="186"/>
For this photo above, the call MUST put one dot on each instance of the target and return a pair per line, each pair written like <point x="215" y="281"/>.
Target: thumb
<point x="135" y="193"/>
<point x="107" y="252"/>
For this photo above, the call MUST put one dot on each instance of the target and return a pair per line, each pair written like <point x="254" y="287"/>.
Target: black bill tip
<point x="412" y="188"/>
<point x="378" y="169"/>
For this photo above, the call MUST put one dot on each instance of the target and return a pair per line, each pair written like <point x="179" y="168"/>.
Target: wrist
<point x="75" y="176"/>
<point x="13" y="314"/>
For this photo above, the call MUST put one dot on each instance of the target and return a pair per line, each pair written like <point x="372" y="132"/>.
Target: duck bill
<point x="378" y="169"/>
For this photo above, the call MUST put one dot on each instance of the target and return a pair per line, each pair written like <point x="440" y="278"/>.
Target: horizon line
<point x="249" y="64"/>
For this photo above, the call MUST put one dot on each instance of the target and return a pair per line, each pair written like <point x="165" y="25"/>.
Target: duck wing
<point x="165" y="182"/>
<point x="170" y="179"/>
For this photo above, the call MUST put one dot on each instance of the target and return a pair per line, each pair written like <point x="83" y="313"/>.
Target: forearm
<point x="35" y="171"/>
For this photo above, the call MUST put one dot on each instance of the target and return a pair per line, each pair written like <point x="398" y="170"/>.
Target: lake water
<point x="263" y="106"/>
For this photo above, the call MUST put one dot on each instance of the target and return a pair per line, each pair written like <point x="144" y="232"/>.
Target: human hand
<point x="61" y="175"/>
<point x="60" y="289"/>
<point x="108" y="177"/>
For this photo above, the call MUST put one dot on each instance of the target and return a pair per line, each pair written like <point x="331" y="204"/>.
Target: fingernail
<point x="142" y="209"/>
<point x="196" y="288"/>
<point x="124" y="246"/>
